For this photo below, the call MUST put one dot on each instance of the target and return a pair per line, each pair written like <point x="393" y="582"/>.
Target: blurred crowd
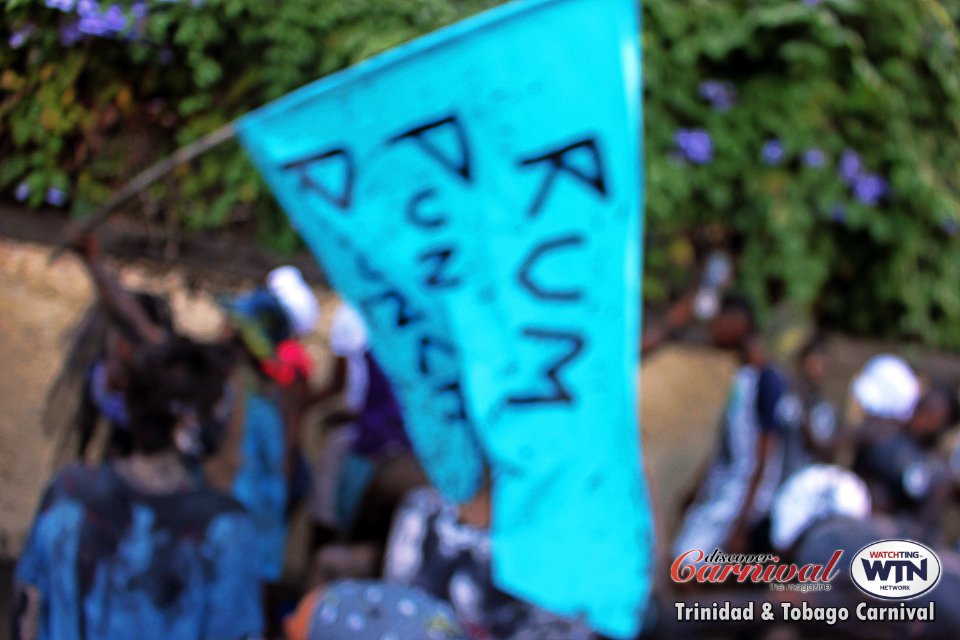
<point x="177" y="522"/>
<point x="794" y="476"/>
<point x="178" y="526"/>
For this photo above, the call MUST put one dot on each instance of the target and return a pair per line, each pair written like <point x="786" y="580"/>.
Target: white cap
<point x="296" y="298"/>
<point x="814" y="493"/>
<point x="887" y="388"/>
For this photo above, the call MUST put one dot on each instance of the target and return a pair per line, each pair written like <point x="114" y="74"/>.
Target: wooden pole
<point x="150" y="175"/>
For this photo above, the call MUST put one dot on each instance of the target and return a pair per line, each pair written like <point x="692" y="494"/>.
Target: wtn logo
<point x="903" y="569"/>
<point x="895" y="569"/>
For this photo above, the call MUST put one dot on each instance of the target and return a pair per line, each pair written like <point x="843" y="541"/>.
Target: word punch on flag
<point x="476" y="194"/>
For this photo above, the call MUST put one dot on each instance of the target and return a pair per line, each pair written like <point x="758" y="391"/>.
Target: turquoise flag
<point x="476" y="194"/>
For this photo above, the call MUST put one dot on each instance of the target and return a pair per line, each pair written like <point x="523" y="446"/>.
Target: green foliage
<point x="83" y="113"/>
<point x="872" y="77"/>
<point x="874" y="80"/>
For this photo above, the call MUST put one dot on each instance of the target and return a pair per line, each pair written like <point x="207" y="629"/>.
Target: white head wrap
<point x="887" y="388"/>
<point x="296" y="297"/>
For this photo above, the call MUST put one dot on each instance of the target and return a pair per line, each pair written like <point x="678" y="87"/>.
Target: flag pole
<point x="150" y="175"/>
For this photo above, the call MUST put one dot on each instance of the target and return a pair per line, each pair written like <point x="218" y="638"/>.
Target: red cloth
<point x="289" y="362"/>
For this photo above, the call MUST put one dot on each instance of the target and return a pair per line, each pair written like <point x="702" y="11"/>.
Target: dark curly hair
<point x="169" y="381"/>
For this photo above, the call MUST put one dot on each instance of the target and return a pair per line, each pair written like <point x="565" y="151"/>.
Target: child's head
<point x="258" y="323"/>
<point x="734" y="323"/>
<point x="812" y="359"/>
<point x="372" y="609"/>
<point x="936" y="410"/>
<point x="173" y="385"/>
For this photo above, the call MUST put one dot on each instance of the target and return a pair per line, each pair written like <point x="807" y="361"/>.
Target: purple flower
<point x="811" y="3"/>
<point x="88" y="8"/>
<point x="114" y="18"/>
<point x="70" y="34"/>
<point x="949" y="226"/>
<point x="56" y="197"/>
<point x="139" y="9"/>
<point x="814" y="157"/>
<point x="19" y="38"/>
<point x="93" y="22"/>
<point x="695" y="144"/>
<point x="22" y="192"/>
<point x="92" y="26"/>
<point x="869" y="188"/>
<point x="773" y="152"/>
<point x="838" y="213"/>
<point x="721" y="95"/>
<point x="850" y="166"/>
<point x="62" y="5"/>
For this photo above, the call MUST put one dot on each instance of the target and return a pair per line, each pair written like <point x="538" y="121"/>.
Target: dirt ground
<point x="683" y="387"/>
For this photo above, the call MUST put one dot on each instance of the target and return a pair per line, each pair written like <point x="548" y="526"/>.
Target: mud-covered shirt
<point x="111" y="562"/>
<point x="431" y="550"/>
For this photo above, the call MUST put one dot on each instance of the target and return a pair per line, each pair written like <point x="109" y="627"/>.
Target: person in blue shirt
<point x="141" y="547"/>
<point x="256" y="458"/>
<point x="732" y="504"/>
<point x="810" y="423"/>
